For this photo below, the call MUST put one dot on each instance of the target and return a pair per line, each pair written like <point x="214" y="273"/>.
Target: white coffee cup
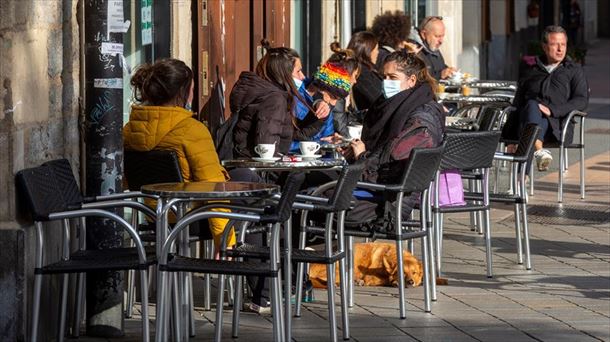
<point x="457" y="76"/>
<point x="355" y="132"/>
<point x="265" y="150"/>
<point x="309" y="148"/>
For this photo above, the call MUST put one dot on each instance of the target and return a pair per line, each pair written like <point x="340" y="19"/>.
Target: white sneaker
<point x="543" y="159"/>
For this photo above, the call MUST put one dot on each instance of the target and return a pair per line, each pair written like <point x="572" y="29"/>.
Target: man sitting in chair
<point x="549" y="88"/>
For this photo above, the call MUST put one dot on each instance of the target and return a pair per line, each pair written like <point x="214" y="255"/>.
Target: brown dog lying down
<point x="375" y="264"/>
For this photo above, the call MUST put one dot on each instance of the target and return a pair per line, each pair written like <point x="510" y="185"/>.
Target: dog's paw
<point x="359" y="282"/>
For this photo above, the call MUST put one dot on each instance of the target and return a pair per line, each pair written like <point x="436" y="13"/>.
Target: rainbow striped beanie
<point x="333" y="78"/>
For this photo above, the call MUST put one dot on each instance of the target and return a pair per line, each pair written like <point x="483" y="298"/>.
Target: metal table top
<point x="211" y="190"/>
<point x="315" y="164"/>
<point x="459" y="98"/>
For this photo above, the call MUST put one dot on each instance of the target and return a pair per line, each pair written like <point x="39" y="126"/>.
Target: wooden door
<point x="228" y="38"/>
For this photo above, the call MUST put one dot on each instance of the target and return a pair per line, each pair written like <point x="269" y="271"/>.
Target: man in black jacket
<point x="549" y="89"/>
<point x="431" y="34"/>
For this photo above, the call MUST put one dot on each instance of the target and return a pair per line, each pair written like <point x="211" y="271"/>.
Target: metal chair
<point x="272" y="218"/>
<point x="519" y="160"/>
<point x="51" y="193"/>
<point x="466" y="151"/>
<point x="564" y="145"/>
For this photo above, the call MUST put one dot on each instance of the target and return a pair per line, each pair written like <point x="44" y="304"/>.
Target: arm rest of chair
<point x="504" y="156"/>
<point x="121" y="204"/>
<point x="371" y="186"/>
<point x="119" y="196"/>
<point x="308" y="198"/>
<point x="571" y="115"/>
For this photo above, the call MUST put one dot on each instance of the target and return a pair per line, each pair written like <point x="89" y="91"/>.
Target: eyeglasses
<point x="427" y="20"/>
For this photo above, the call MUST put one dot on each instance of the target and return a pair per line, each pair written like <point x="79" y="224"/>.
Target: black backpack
<point x="223" y="139"/>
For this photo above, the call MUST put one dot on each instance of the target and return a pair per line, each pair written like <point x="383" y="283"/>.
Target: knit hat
<point x="333" y="78"/>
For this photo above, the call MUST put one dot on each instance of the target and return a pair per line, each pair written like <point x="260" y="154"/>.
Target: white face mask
<point x="297" y="82"/>
<point x="391" y="88"/>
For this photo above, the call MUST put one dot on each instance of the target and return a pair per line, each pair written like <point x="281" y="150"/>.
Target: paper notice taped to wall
<point x="112" y="48"/>
<point x="116" y="21"/>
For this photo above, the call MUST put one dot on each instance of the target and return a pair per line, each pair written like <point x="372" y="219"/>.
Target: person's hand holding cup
<point x="265" y="151"/>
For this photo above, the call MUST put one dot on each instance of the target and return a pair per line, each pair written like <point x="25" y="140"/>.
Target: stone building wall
<point x="39" y="107"/>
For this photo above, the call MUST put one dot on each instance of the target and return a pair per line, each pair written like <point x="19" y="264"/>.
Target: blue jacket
<point x="300" y="112"/>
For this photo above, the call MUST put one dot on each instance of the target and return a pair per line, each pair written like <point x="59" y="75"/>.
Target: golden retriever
<point x="375" y="264"/>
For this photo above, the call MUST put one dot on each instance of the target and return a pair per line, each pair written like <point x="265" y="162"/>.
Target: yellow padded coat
<point x="174" y="128"/>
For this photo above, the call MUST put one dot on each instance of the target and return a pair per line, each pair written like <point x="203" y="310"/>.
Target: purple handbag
<point x="450" y="189"/>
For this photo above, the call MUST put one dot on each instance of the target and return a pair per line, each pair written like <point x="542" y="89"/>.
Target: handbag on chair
<point x="450" y="189"/>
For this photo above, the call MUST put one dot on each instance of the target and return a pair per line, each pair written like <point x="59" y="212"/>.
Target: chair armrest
<point x="371" y="186"/>
<point x="504" y="156"/>
<point x="121" y="204"/>
<point x="120" y="195"/>
<point x="571" y="115"/>
<point x="308" y="198"/>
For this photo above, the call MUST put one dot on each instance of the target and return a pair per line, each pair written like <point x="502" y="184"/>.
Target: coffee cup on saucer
<point x="308" y="148"/>
<point x="265" y="151"/>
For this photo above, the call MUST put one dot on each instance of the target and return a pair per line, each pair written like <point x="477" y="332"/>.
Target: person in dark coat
<point x="429" y="38"/>
<point x="264" y="102"/>
<point x="392" y="31"/>
<point x="548" y="90"/>
<point x="408" y="118"/>
<point x="369" y="85"/>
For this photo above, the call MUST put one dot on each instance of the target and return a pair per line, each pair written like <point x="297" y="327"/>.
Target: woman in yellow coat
<point x="162" y="121"/>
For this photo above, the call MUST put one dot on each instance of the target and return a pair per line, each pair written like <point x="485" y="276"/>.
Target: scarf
<point x="386" y="119"/>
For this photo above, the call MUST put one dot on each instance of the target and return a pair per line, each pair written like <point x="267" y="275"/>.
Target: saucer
<point x="310" y="157"/>
<point x="266" y="160"/>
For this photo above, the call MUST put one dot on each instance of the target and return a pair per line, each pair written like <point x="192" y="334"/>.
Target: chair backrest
<point x="420" y="171"/>
<point x="469" y="150"/>
<point x="151" y="167"/>
<point x="41" y="192"/>
<point x="290" y="189"/>
<point x="349" y="177"/>
<point x="488" y="117"/>
<point x="66" y="181"/>
<point x="525" y="148"/>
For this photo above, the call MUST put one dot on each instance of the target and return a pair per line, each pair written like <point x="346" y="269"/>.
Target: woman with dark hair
<point x="162" y="120"/>
<point x="409" y="118"/>
<point x="368" y="87"/>
<point x="392" y="30"/>
<point x="264" y="102"/>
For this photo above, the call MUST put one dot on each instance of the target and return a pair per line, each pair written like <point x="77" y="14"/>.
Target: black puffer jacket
<point x="264" y="116"/>
<point x="563" y="90"/>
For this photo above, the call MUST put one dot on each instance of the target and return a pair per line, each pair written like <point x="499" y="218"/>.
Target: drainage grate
<point x="566" y="215"/>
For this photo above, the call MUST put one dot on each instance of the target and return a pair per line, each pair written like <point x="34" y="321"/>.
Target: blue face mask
<point x="297" y="82"/>
<point x="391" y="88"/>
<point x="188" y="107"/>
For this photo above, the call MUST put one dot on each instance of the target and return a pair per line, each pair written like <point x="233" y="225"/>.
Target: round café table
<point x="179" y="194"/>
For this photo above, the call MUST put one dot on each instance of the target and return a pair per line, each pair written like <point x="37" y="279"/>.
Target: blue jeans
<point x="531" y="114"/>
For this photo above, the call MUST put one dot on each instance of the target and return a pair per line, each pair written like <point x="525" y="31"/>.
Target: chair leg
<point x="207" y="286"/>
<point x="532" y="178"/>
<point x="130" y="293"/>
<point x="299" y="289"/>
<point x="518" y="234"/>
<point x="219" y="308"/>
<point x="230" y="290"/>
<point x="426" y="262"/>
<point x="144" y="301"/>
<point x="350" y="270"/>
<point x="237" y="305"/>
<point x="61" y="331"/>
<point x="344" y="300"/>
<point x="439" y="244"/>
<point x="191" y="305"/>
<point x="488" y="243"/>
<point x="401" y="280"/>
<point x="526" y="234"/>
<point x="330" y="286"/>
<point x="276" y="306"/>
<point x="582" y="173"/>
<point x="78" y="307"/>
<point x="431" y="267"/>
<point x="177" y="307"/>
<point x="161" y="306"/>
<point x="561" y="163"/>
